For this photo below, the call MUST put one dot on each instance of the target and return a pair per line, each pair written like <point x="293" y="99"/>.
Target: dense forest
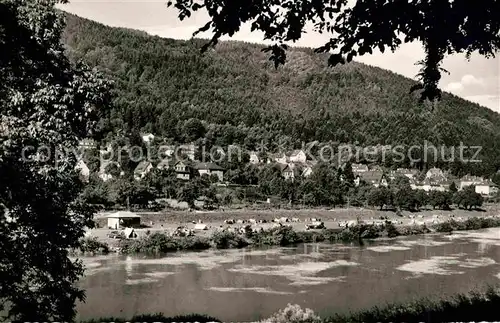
<point x="234" y="95"/>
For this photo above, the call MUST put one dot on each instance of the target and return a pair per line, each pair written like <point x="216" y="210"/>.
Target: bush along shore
<point x="158" y="243"/>
<point x="472" y="307"/>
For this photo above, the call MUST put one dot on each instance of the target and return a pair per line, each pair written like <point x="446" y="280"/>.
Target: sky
<point x="477" y="80"/>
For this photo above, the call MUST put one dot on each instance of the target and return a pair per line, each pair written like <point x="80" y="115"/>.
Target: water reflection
<point x="246" y="285"/>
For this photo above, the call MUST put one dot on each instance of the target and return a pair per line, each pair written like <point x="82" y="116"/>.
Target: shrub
<point x="293" y="314"/>
<point x="391" y="230"/>
<point x="444" y="227"/>
<point x="93" y="246"/>
<point x="226" y="240"/>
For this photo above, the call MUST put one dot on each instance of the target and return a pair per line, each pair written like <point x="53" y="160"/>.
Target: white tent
<point x="200" y="226"/>
<point x="130" y="233"/>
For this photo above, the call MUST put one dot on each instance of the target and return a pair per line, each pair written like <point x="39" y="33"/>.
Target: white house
<point x="142" y="169"/>
<point x="298" y="156"/>
<point x="359" y="168"/>
<point x="307" y="171"/>
<point x="148" y="137"/>
<point x="254" y="158"/>
<point x="84" y="170"/>
<point x="486" y="188"/>
<point x="469" y="180"/>
<point x="123" y="219"/>
<point x="279" y="158"/>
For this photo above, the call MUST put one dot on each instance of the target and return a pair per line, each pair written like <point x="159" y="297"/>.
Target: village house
<point x="83" y="169"/>
<point x="375" y="178"/>
<point x="87" y="143"/>
<point x="435" y="175"/>
<point x="486" y="188"/>
<point x="429" y="185"/>
<point x="148" y="138"/>
<point x="142" y="169"/>
<point x="287" y="171"/>
<point x="469" y="180"/>
<point x="254" y="158"/>
<point x="123" y="219"/>
<point x="298" y="156"/>
<point x="359" y="168"/>
<point x="410" y="173"/>
<point x="209" y="169"/>
<point x="279" y="158"/>
<point x="183" y="170"/>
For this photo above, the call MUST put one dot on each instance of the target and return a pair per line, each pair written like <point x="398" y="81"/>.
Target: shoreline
<point x="159" y="242"/>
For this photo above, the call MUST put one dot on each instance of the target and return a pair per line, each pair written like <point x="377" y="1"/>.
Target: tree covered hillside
<point x="240" y="98"/>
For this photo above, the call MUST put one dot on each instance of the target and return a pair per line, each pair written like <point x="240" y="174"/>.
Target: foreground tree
<point x="443" y="27"/>
<point x="47" y="105"/>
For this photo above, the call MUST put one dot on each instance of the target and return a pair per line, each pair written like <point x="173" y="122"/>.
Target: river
<point x="247" y="285"/>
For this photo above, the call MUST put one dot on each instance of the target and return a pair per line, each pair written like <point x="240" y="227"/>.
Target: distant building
<point x="298" y="156"/>
<point x="375" y="178"/>
<point x="410" y="173"/>
<point x="429" y="185"/>
<point x="254" y="158"/>
<point x="87" y="143"/>
<point x="209" y="169"/>
<point x="84" y="170"/>
<point x="435" y="175"/>
<point x="279" y="158"/>
<point x="148" y="138"/>
<point x="469" y="180"/>
<point x="142" y="169"/>
<point x="486" y="188"/>
<point x="287" y="172"/>
<point x="183" y="170"/>
<point x="359" y="168"/>
<point x="123" y="219"/>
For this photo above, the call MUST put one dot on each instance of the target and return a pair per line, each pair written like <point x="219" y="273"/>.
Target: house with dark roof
<point x="210" y="169"/>
<point x="183" y="169"/>
<point x="287" y="171"/>
<point x="375" y="178"/>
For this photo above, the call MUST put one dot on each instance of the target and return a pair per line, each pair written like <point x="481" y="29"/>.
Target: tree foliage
<point x="443" y="27"/>
<point x="45" y="102"/>
<point x="166" y="87"/>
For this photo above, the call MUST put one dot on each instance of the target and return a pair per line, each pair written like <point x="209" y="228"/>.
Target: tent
<point x="130" y="233"/>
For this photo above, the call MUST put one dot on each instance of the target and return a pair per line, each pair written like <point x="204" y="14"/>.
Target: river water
<point x="247" y="285"/>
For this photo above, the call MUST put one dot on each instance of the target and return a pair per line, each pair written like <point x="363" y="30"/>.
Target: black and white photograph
<point x="251" y="161"/>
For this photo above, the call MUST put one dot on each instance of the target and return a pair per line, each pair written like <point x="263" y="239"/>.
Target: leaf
<point x="335" y="59"/>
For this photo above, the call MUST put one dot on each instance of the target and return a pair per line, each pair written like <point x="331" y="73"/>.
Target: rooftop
<point x="123" y="215"/>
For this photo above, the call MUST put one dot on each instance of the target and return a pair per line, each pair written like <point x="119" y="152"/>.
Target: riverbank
<point x="159" y="242"/>
<point x="167" y="222"/>
<point x="472" y="307"/>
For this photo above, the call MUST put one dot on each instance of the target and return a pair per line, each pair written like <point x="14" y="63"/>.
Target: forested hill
<point x="240" y="97"/>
